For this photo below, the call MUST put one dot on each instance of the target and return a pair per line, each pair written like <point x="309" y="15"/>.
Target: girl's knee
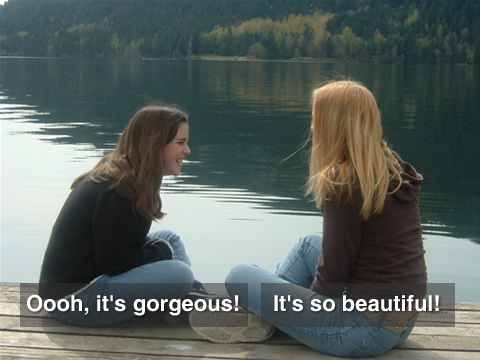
<point x="236" y="281"/>
<point x="183" y="272"/>
<point x="245" y="275"/>
<point x="311" y="241"/>
<point x="167" y="235"/>
<point x="171" y="271"/>
<point x="237" y="274"/>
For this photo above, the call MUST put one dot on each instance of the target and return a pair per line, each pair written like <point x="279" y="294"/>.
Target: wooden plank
<point x="459" y="316"/>
<point x="147" y="347"/>
<point x="45" y="338"/>
<point x="474" y="306"/>
<point x="457" y="330"/>
<point x="11" y="291"/>
<point x="58" y="354"/>
<point x="468" y="316"/>
<point x="26" y="353"/>
<point x="14" y="309"/>
<point x="427" y="340"/>
<point x="48" y="326"/>
<point x="121" y="349"/>
<point x="180" y="332"/>
<point x="50" y="354"/>
<point x="400" y="354"/>
<point x="442" y="342"/>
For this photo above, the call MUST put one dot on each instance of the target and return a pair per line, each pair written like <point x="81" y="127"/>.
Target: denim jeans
<point x="167" y="279"/>
<point x="335" y="332"/>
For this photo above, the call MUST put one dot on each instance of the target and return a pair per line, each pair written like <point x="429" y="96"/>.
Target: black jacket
<point x="97" y="232"/>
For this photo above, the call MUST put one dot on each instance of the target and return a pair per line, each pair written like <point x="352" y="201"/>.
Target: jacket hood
<point x="411" y="180"/>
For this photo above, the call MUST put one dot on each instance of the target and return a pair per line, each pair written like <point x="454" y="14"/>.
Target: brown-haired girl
<point x="100" y="247"/>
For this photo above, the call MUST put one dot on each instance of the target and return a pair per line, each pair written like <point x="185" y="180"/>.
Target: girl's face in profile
<point x="176" y="151"/>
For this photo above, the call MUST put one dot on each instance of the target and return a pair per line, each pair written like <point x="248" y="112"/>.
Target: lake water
<point x="237" y="200"/>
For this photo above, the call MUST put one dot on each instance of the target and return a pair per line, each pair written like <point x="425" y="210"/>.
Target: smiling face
<point x="176" y="151"/>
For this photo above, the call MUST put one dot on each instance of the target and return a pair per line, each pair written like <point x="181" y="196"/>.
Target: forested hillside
<point x="401" y="31"/>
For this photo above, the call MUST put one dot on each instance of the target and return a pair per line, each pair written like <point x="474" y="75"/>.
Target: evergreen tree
<point x="412" y="31"/>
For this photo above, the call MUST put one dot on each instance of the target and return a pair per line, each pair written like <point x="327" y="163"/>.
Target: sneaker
<point x="199" y="287"/>
<point x="230" y="327"/>
<point x="198" y="291"/>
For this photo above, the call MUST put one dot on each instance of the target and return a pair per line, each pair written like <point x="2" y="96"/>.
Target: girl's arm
<point x="342" y="234"/>
<point x="120" y="234"/>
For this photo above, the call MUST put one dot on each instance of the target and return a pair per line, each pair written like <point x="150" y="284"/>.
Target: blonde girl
<point x="371" y="238"/>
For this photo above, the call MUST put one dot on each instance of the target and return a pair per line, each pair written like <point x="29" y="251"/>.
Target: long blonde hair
<point x="348" y="150"/>
<point x="135" y="166"/>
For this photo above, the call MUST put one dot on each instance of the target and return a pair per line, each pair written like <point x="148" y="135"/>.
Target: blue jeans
<point x="335" y="332"/>
<point x="167" y="279"/>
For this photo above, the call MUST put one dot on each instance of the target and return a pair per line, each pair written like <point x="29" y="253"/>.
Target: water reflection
<point x="271" y="204"/>
<point x="247" y="117"/>
<point x="18" y="111"/>
<point x="59" y="116"/>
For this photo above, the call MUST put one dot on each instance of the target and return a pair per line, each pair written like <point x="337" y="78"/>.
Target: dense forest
<point x="399" y="31"/>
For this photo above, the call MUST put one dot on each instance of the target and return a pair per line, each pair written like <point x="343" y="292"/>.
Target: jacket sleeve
<point x="120" y="235"/>
<point x="342" y="234"/>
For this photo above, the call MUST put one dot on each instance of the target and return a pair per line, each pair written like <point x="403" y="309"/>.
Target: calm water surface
<point x="237" y="199"/>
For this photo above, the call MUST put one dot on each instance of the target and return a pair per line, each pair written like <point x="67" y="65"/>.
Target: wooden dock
<point x="44" y="338"/>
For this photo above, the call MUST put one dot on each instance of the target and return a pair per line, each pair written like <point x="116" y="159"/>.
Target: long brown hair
<point x="135" y="166"/>
<point x="347" y="147"/>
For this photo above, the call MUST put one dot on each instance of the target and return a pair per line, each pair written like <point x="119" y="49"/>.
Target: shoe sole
<point x="231" y="327"/>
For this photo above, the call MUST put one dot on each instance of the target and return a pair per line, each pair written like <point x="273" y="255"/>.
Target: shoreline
<point x="211" y="57"/>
